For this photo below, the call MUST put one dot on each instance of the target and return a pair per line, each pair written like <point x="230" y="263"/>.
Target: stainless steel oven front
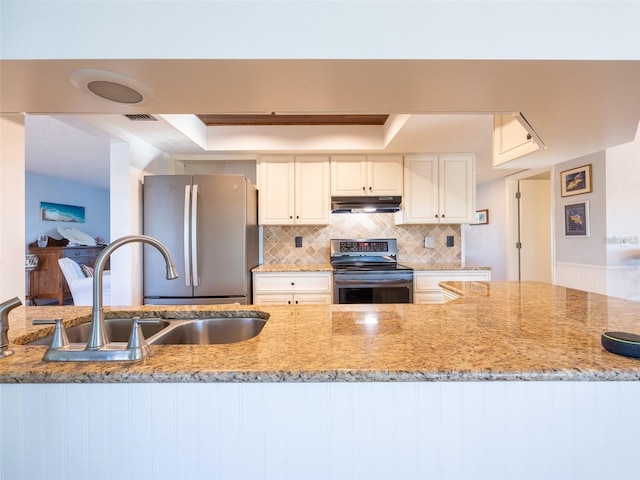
<point x="372" y="287"/>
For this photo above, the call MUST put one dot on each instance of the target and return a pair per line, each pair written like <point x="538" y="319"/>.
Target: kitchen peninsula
<point x="486" y="386"/>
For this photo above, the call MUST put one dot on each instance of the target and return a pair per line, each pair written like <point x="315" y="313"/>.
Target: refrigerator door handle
<point x="185" y="240"/>
<point x="194" y="236"/>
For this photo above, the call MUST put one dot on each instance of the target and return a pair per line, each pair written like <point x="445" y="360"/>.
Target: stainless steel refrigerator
<point x="209" y="223"/>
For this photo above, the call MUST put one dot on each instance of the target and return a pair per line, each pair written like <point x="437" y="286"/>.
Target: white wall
<point x="364" y="29"/>
<point x="623" y="223"/>
<point x="130" y="161"/>
<point x="609" y="261"/>
<point x="43" y="188"/>
<point x="583" y="250"/>
<point x="12" y="240"/>
<point x="485" y="245"/>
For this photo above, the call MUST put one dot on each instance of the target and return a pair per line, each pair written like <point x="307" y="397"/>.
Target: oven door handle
<point x="372" y="281"/>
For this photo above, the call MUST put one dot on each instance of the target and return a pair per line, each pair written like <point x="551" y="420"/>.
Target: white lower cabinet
<point x="304" y="288"/>
<point x="426" y="284"/>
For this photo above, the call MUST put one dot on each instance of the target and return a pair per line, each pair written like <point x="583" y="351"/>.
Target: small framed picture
<point x="576" y="181"/>
<point x="482" y="217"/>
<point x="576" y="220"/>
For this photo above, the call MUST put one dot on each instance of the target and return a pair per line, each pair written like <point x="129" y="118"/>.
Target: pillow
<point x="87" y="270"/>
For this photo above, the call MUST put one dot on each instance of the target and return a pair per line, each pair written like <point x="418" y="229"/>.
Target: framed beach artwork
<point x="576" y="181"/>
<point x="57" y="212"/>
<point x="576" y="220"/>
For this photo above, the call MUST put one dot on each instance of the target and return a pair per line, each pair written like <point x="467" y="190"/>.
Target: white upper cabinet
<point x="312" y="195"/>
<point x="357" y="175"/>
<point x="511" y="139"/>
<point x="294" y="190"/>
<point x="438" y="189"/>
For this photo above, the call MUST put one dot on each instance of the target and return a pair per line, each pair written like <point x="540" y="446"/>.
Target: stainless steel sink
<point x="208" y="331"/>
<point x="118" y="330"/>
<point x="194" y="331"/>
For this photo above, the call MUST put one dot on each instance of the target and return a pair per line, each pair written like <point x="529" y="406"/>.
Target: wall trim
<point x="592" y="278"/>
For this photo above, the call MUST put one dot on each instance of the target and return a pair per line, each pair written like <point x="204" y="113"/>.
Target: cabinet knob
<point x="363" y="189"/>
<point x="297" y="216"/>
<point x="296" y="302"/>
<point x="290" y="217"/>
<point x="289" y="302"/>
<point x="293" y="283"/>
<point x="443" y="215"/>
<point x="369" y="188"/>
<point x="436" y="216"/>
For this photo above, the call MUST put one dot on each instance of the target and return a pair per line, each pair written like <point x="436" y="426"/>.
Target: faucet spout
<point x="98" y="337"/>
<point x="5" y="308"/>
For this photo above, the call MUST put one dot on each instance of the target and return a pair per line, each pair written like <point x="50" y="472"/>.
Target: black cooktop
<point x="370" y="267"/>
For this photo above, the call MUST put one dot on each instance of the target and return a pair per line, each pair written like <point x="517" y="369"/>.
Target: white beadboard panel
<point x="32" y="431"/>
<point x="590" y="278"/>
<point x="624" y="281"/>
<point x="97" y="426"/>
<point x="53" y="430"/>
<point x="615" y="281"/>
<point x="317" y="395"/>
<point x="447" y="430"/>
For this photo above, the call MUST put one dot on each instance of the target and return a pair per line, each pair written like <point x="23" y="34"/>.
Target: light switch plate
<point x="428" y="242"/>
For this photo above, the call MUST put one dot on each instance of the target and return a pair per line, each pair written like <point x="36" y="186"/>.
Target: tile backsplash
<point x="279" y="241"/>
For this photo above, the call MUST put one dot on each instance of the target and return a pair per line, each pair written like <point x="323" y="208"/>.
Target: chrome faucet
<point x="5" y="308"/>
<point x="98" y="337"/>
<point x="98" y="347"/>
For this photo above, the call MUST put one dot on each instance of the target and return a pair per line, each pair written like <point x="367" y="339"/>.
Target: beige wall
<point x="12" y="207"/>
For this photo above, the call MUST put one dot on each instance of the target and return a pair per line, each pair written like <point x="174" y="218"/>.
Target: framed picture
<point x="576" y="181"/>
<point x="482" y="217"/>
<point x="576" y="220"/>
<point x="57" y="212"/>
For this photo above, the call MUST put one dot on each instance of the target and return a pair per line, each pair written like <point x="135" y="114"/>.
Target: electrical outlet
<point x="298" y="242"/>
<point x="449" y="240"/>
<point x="428" y="242"/>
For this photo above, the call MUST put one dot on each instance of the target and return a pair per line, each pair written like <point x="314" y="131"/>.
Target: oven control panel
<point x="378" y="247"/>
<point x="364" y="247"/>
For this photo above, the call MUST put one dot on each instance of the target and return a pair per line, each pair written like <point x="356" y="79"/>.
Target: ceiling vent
<point x="140" y="117"/>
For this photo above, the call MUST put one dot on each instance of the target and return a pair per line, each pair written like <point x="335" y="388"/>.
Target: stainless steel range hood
<point x="371" y="204"/>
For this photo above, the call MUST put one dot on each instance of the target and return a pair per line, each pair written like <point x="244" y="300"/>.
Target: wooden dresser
<point x="47" y="280"/>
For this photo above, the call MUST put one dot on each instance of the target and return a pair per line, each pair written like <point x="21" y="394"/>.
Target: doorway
<point x="529" y="237"/>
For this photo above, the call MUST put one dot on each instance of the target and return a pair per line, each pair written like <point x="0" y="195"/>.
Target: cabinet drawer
<point x="291" y="299"/>
<point x="284" y="282"/>
<point x="86" y="256"/>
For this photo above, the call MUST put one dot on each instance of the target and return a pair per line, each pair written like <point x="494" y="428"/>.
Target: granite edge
<point x="320" y="377"/>
<point x="293" y="267"/>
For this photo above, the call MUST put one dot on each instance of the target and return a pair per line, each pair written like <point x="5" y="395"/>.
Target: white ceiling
<point x="577" y="107"/>
<point x="55" y="146"/>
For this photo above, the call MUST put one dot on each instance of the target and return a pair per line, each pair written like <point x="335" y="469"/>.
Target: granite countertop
<point x="294" y="267"/>
<point x="419" y="266"/>
<point x="326" y="267"/>
<point x="494" y="331"/>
